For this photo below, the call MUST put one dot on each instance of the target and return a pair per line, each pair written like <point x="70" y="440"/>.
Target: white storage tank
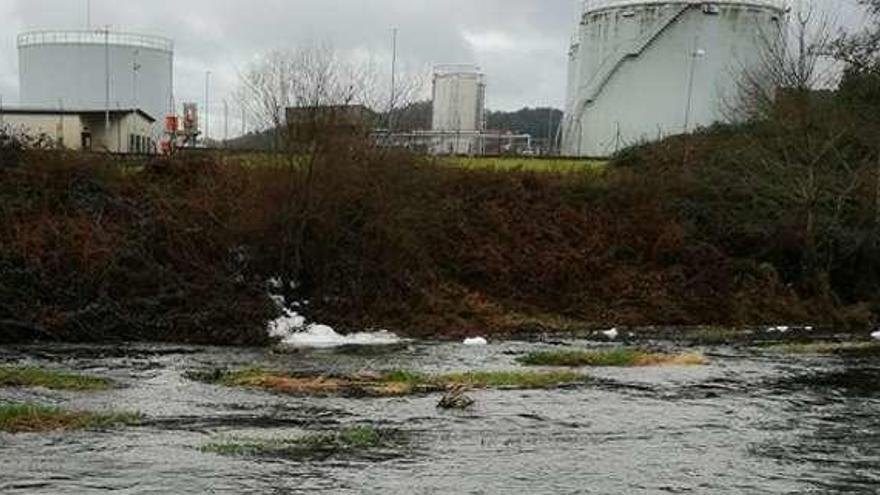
<point x="91" y="70"/>
<point x="459" y="98"/>
<point x="640" y="70"/>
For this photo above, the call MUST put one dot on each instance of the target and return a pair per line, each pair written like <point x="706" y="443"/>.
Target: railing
<point x="594" y="5"/>
<point x="97" y="37"/>
<point x="448" y="69"/>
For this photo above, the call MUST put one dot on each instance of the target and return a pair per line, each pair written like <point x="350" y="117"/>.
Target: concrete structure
<point x="131" y="131"/>
<point x="643" y="69"/>
<point x="94" y="70"/>
<point x="459" y="99"/>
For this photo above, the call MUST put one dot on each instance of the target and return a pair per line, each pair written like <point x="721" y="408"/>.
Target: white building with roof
<point x="130" y="131"/>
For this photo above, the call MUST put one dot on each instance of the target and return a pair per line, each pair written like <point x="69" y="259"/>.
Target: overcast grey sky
<point x="520" y="44"/>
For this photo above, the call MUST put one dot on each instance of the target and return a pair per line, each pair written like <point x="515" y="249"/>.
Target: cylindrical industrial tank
<point x="459" y="98"/>
<point x="89" y="70"/>
<point x="644" y="69"/>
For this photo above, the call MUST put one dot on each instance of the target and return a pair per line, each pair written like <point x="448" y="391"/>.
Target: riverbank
<point x="190" y="250"/>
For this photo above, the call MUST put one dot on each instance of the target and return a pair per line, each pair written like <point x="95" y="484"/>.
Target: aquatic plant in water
<point x="854" y="349"/>
<point x="353" y="440"/>
<point x="617" y="357"/>
<point x="387" y="383"/>
<point x="30" y="417"/>
<point x="29" y="376"/>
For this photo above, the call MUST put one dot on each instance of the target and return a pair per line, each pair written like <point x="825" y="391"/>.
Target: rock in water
<point x="455" y="398"/>
<point x="476" y="341"/>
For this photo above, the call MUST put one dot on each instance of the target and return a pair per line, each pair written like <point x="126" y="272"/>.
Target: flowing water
<point x="751" y="422"/>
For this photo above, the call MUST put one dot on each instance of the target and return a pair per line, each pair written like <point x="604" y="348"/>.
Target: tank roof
<point x="451" y="69"/>
<point x="596" y="5"/>
<point x="96" y="37"/>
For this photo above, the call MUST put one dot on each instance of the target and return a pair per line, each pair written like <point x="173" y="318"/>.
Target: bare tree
<point x="794" y="59"/>
<point x="797" y="167"/>
<point x="860" y="88"/>
<point x="313" y="77"/>
<point x="315" y="103"/>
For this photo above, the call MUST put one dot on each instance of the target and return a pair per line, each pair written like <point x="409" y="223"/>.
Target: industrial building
<point x="129" y="131"/>
<point x="97" y="71"/>
<point x="640" y="70"/>
<point x="458" y="124"/>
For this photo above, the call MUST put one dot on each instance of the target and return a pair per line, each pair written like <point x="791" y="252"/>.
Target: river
<point x="752" y="422"/>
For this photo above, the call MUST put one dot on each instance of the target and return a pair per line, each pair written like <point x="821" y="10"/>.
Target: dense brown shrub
<point x="91" y="251"/>
<point x="181" y="250"/>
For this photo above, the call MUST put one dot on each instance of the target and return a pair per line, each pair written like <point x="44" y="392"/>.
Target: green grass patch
<point x="511" y="379"/>
<point x="851" y="349"/>
<point x="350" y="440"/>
<point x="389" y="383"/>
<point x="29" y="417"/>
<point x="27" y="376"/>
<point x="617" y="357"/>
<point x="557" y="165"/>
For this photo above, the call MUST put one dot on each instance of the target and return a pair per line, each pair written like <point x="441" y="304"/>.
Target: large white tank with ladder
<point x="640" y="70"/>
<point x="94" y="70"/>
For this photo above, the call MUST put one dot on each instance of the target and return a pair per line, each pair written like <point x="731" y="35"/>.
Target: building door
<point x="86" y="141"/>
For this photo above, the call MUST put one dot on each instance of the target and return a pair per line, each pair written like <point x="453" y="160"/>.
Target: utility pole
<point x="243" y="122"/>
<point x="1" y="113"/>
<point x="225" y="123"/>
<point x="59" y="132"/>
<point x="207" y="103"/>
<point x="393" y="81"/>
<point x="549" y="150"/>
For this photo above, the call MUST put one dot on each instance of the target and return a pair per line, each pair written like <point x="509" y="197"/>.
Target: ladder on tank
<point x="615" y="61"/>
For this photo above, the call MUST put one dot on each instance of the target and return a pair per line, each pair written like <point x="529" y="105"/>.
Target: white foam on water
<point x="293" y="331"/>
<point x="290" y="322"/>
<point x="476" y="341"/>
<point x="612" y="334"/>
<point x="322" y="336"/>
<point x="876" y="335"/>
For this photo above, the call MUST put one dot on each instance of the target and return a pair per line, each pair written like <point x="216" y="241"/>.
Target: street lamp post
<point x="695" y="54"/>
<point x="106" y="33"/>
<point x="135" y="69"/>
